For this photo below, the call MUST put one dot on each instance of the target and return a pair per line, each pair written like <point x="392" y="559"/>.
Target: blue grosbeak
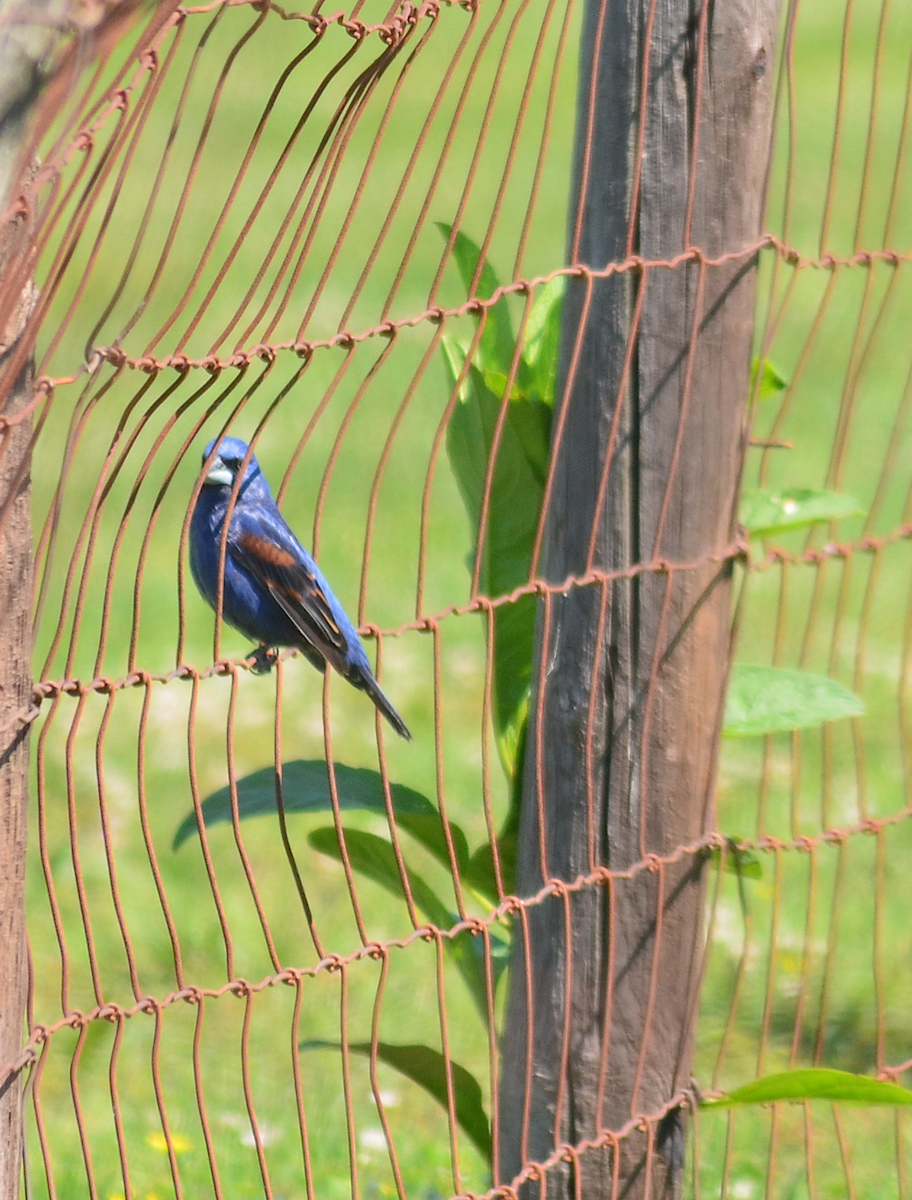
<point x="273" y="591"/>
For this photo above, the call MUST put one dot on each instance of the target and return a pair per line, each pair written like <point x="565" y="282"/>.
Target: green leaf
<point x="771" y="380"/>
<point x="515" y="504"/>
<point x="541" y="344"/>
<point x="427" y="1068"/>
<point x="530" y="419"/>
<point x="497" y="343"/>
<point x="305" y="788"/>
<point x="374" y="858"/>
<point x="739" y="862"/>
<point x="429" y="831"/>
<point x="510" y="744"/>
<point x="501" y="953"/>
<point x="764" y="700"/>
<point x="518" y="476"/>
<point x="454" y="356"/>
<point x="815" y="1083"/>
<point x="514" y="644"/>
<point x="496" y="382"/>
<point x="479" y="873"/>
<point x="470" y="430"/>
<point x="765" y="512"/>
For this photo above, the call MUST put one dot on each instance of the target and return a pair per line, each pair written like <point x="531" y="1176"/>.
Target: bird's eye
<point x="233" y="463"/>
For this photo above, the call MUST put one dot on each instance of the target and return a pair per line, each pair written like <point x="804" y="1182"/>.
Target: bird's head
<point x="223" y="469"/>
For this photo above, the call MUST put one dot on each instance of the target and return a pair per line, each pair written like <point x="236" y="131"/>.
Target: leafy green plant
<point x="498" y="445"/>
<point x="305" y="789"/>
<point x="498" y="439"/>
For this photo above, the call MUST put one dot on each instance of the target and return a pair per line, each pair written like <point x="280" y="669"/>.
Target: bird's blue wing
<point x="261" y="542"/>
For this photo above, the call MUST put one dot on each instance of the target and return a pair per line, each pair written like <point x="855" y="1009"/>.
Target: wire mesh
<point x="245" y="223"/>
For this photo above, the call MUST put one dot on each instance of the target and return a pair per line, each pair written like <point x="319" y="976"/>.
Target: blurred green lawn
<point x="777" y="948"/>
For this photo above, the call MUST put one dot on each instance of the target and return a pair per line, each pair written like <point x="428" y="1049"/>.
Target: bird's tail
<point x="367" y="683"/>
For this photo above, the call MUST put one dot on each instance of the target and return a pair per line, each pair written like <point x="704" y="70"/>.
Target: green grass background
<point x="811" y="946"/>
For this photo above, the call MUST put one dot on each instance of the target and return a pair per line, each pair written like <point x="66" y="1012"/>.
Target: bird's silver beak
<point x="218" y="475"/>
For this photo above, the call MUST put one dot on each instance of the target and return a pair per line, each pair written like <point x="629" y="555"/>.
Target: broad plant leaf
<point x="517" y="489"/>
<point x="496" y="382"/>
<point x="427" y="828"/>
<point x="765" y="512"/>
<point x="764" y="700"/>
<point x="374" y="858"/>
<point x="740" y="862"/>
<point x="512" y="736"/>
<point x="305" y="788"/>
<point x="520" y="468"/>
<point x="508" y="838"/>
<point x="541" y="341"/>
<point x="530" y="418"/>
<point x="772" y="381"/>
<point x="479" y="873"/>
<point x="427" y="1068"/>
<point x="815" y="1083"/>
<point x="497" y="342"/>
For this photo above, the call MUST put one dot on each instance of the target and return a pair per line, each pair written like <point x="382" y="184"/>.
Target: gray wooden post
<point x="15" y="694"/>
<point x="15" y="697"/>
<point x="631" y="673"/>
<point x="27" y="34"/>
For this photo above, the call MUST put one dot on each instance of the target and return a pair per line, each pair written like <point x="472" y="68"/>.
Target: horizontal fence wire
<point x="245" y="982"/>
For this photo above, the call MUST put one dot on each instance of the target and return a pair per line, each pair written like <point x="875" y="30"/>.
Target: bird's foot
<point x="262" y="659"/>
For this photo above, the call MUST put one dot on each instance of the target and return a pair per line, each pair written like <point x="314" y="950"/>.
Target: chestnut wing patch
<point x="293" y="587"/>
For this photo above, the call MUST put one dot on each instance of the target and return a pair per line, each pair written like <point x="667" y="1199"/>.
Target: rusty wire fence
<point x="246" y="221"/>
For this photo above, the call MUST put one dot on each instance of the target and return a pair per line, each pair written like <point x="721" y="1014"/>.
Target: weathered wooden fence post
<point x="672" y="152"/>
<point x="28" y="33"/>
<point x="15" y="697"/>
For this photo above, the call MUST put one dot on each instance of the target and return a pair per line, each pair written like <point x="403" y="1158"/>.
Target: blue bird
<point x="273" y="592"/>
